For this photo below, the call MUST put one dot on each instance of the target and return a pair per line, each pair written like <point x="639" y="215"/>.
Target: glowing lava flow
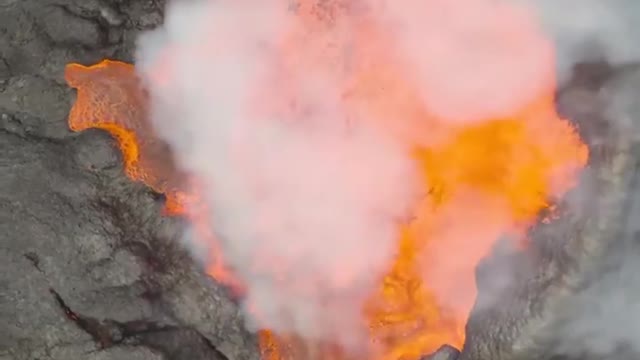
<point x="405" y="317"/>
<point x="111" y="98"/>
<point x="485" y="178"/>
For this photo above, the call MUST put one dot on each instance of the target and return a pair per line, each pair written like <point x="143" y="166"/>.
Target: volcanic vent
<point x="417" y="176"/>
<point x="350" y="144"/>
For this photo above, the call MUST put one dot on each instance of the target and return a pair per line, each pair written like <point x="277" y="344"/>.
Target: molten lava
<point x="483" y="179"/>
<point x="110" y="98"/>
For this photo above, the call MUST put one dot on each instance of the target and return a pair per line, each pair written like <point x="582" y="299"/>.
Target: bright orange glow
<point x="110" y="98"/>
<point x="482" y="178"/>
<point x="469" y="207"/>
<point x="486" y="177"/>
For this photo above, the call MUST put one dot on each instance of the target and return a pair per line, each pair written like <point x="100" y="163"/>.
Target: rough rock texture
<point x="573" y="294"/>
<point x="445" y="352"/>
<point x="88" y="268"/>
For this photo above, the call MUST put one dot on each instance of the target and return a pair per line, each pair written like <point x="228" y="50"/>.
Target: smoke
<point x="590" y="31"/>
<point x="463" y="52"/>
<point x="597" y="317"/>
<point x="600" y="317"/>
<point x="305" y="201"/>
<point x="307" y="175"/>
<point x="603" y="320"/>
<point x="600" y="320"/>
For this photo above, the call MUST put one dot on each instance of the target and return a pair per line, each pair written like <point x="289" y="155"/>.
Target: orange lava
<point x="109" y="97"/>
<point x="486" y="177"/>
<point x="483" y="179"/>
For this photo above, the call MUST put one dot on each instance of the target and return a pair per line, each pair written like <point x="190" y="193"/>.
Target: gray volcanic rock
<point x="88" y="267"/>
<point x="90" y="270"/>
<point x="445" y="352"/>
<point x="574" y="293"/>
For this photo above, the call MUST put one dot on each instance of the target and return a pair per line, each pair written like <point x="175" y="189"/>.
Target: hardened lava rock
<point x="572" y="293"/>
<point x="445" y="352"/>
<point x="89" y="269"/>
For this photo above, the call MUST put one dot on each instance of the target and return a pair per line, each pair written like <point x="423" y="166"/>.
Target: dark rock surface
<point x="88" y="268"/>
<point x="572" y="295"/>
<point x="445" y="352"/>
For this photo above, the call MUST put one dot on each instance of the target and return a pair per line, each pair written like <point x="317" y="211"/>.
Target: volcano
<point x="484" y="266"/>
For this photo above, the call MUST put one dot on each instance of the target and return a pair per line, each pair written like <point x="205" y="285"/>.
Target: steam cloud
<point x="308" y="191"/>
<point x="305" y="203"/>
<point x="602" y="320"/>
<point x="590" y="30"/>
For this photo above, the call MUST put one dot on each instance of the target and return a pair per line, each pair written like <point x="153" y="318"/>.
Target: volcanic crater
<point x="93" y="207"/>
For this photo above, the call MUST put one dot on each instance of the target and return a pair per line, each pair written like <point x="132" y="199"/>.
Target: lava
<point x="110" y="98"/>
<point x="483" y="179"/>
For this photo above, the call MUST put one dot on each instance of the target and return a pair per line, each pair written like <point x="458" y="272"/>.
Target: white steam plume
<point x="590" y="30"/>
<point x="602" y="319"/>
<point x="302" y="194"/>
<point x="306" y="204"/>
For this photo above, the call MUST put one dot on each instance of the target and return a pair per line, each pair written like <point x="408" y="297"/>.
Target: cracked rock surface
<point x="88" y="267"/>
<point x="90" y="270"/>
<point x="572" y="294"/>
